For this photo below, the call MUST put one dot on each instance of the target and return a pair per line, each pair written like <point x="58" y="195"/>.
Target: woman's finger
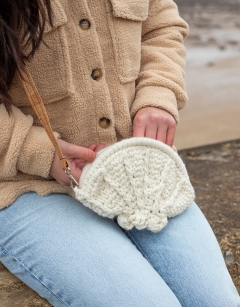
<point x="72" y="151"/>
<point x="151" y="130"/>
<point x="92" y="147"/>
<point x="99" y="147"/>
<point x="77" y="152"/>
<point x="139" y="126"/>
<point x="170" y="134"/>
<point x="162" y="135"/>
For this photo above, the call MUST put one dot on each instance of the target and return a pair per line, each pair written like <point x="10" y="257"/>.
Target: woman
<point x="106" y="70"/>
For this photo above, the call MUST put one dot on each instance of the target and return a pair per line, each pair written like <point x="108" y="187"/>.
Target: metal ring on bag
<point x="73" y="182"/>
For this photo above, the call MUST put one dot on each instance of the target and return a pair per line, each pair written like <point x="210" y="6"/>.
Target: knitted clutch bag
<point x="140" y="181"/>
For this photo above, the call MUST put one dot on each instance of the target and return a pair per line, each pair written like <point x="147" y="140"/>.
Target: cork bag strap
<point x="40" y="110"/>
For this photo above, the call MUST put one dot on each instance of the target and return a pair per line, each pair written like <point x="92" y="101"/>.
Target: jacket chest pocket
<point x="126" y="28"/>
<point x="51" y="66"/>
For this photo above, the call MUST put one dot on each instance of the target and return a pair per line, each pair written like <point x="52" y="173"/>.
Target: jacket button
<point x="96" y="74"/>
<point x="84" y="24"/>
<point x="104" y="122"/>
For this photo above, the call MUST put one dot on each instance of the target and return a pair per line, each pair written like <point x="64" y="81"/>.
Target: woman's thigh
<point x="73" y="257"/>
<point x="187" y="256"/>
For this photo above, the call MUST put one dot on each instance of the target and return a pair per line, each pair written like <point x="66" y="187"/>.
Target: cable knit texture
<point x="139" y="180"/>
<point x="137" y="45"/>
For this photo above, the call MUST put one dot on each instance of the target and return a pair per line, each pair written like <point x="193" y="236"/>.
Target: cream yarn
<point x="139" y="180"/>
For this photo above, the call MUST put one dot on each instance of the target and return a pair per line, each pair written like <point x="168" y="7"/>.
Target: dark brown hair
<point x="21" y="31"/>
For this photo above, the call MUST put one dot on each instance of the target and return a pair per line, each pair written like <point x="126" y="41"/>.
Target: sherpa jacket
<point x="101" y="62"/>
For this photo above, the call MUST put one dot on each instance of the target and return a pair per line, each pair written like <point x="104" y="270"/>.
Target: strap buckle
<point x="72" y="180"/>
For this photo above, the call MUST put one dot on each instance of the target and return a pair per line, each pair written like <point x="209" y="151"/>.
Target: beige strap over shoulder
<point x="40" y="110"/>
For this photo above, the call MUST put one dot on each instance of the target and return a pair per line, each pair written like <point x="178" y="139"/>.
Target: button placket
<point x="97" y="73"/>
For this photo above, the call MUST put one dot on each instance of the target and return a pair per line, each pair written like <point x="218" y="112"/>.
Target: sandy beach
<point x="212" y="113"/>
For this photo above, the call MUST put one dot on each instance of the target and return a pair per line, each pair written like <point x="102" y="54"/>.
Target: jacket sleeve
<point x="23" y="147"/>
<point x="161" y="79"/>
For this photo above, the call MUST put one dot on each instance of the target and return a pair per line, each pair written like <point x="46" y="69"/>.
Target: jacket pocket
<point x="51" y="66"/>
<point x="126" y="27"/>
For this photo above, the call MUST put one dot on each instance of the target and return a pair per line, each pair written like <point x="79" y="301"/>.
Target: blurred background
<point x="212" y="114"/>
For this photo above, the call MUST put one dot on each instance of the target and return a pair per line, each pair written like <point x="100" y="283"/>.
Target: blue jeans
<point x="73" y="257"/>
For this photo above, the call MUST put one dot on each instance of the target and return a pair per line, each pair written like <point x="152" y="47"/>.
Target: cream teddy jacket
<point x="101" y="62"/>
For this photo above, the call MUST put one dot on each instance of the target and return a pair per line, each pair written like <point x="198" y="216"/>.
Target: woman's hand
<point x="156" y="124"/>
<point x="77" y="158"/>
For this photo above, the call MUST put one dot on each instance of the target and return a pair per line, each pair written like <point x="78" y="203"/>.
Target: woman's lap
<point x="187" y="256"/>
<point x="73" y="257"/>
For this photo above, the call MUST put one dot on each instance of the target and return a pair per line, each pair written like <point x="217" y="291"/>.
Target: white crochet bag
<point x="139" y="180"/>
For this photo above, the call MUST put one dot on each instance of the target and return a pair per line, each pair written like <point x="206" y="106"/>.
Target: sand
<point x="212" y="113"/>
